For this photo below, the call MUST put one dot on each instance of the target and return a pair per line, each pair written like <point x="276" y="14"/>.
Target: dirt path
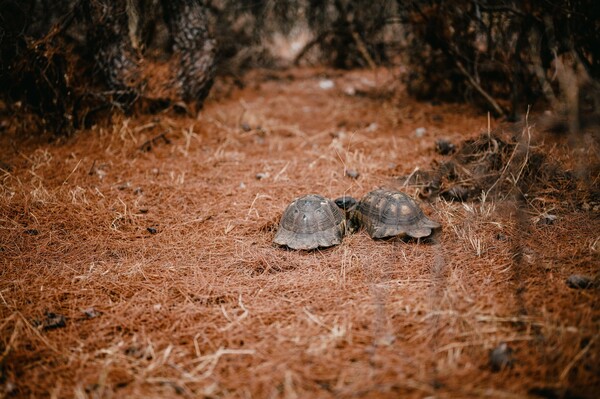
<point x="158" y="254"/>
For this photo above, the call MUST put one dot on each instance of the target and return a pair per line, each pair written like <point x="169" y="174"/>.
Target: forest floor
<point x="136" y="257"/>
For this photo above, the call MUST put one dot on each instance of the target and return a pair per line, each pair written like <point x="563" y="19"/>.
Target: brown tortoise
<point x="387" y="213"/>
<point x="310" y="222"/>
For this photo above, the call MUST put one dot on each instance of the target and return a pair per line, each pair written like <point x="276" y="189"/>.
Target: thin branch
<point x="479" y="89"/>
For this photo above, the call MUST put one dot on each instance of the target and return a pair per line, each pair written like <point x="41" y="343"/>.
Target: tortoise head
<point x="346" y="203"/>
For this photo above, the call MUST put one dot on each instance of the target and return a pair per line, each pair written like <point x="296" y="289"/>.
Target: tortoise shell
<point x="310" y="222"/>
<point x="388" y="213"/>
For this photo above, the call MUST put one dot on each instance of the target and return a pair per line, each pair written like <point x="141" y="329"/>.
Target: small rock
<point x="444" y="147"/>
<point x="353" y="174"/>
<point x="372" y="127"/>
<point x="501" y="237"/>
<point x="101" y="174"/>
<point x="31" y="232"/>
<point x="386" y="340"/>
<point x="144" y="210"/>
<point x="9" y="388"/>
<point x="134" y="351"/>
<point x="326" y="84"/>
<point x="420" y="132"/>
<point x="152" y="230"/>
<point x="501" y="357"/>
<point x="54" y="320"/>
<point x="261" y="175"/>
<point x="138" y="191"/>
<point x="124" y="186"/>
<point x="91" y="313"/>
<point x="246" y="127"/>
<point x="547" y="218"/>
<point x="578" y="281"/>
<point x="242" y="186"/>
<point x="350" y="91"/>
<point x="340" y="134"/>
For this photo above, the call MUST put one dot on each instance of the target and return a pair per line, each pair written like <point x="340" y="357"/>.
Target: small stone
<point x="372" y="127"/>
<point x="261" y="175"/>
<point x="353" y="174"/>
<point x="31" y="232"/>
<point x="547" y="218"/>
<point x="340" y="134"/>
<point x="54" y="320"/>
<point x="578" y="281"/>
<point x="138" y="191"/>
<point x="9" y="388"/>
<point x="386" y="340"/>
<point x="91" y="313"/>
<point x="501" y="357"/>
<point x="144" y="210"/>
<point x="444" y="147"/>
<point x="326" y="84"/>
<point x="420" y="132"/>
<point x="246" y="127"/>
<point x="124" y="186"/>
<point x="152" y="230"/>
<point x="501" y="237"/>
<point x="242" y="186"/>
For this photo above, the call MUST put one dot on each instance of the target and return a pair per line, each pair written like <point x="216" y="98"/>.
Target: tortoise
<point x="387" y="213"/>
<point x="310" y="222"/>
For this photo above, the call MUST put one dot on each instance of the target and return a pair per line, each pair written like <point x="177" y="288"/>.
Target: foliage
<point x="69" y="59"/>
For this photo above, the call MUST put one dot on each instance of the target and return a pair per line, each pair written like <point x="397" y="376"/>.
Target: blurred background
<point x="71" y="61"/>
